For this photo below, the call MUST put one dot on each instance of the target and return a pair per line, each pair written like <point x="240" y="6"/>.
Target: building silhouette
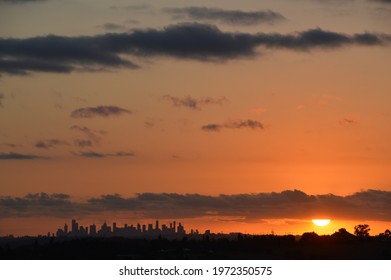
<point x="139" y="231"/>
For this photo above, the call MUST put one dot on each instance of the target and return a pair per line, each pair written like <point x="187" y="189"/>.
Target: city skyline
<point x="254" y="115"/>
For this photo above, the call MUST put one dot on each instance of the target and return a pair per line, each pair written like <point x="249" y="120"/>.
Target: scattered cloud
<point x="90" y="133"/>
<point x="112" y="26"/>
<point x="233" y="124"/>
<point x="194" y="103"/>
<point x="140" y="7"/>
<point x="99" y="111"/>
<point x="348" y="121"/>
<point x="232" y="17"/>
<point x="203" y="42"/>
<point x="47" y="144"/>
<point x="92" y="154"/>
<point x="82" y="143"/>
<point x="7" y="156"/>
<point x="289" y="204"/>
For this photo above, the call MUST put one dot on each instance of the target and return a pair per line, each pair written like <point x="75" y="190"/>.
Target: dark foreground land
<point x="243" y="247"/>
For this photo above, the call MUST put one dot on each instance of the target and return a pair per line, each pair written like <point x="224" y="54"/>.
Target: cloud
<point x="348" y="121"/>
<point x="233" y="17"/>
<point x="194" y="103"/>
<point x="1" y="99"/>
<point x="82" y="143"/>
<point x="203" y="42"/>
<point x="90" y="133"/>
<point x="47" y="144"/>
<point x="381" y="1"/>
<point x="233" y="124"/>
<point x="101" y="111"/>
<point x="92" y="154"/>
<point x="7" y="156"/>
<point x="112" y="26"/>
<point x="140" y="7"/>
<point x="289" y="204"/>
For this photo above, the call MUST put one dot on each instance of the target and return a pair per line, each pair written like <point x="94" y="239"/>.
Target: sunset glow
<point x="321" y="222"/>
<point x="251" y="116"/>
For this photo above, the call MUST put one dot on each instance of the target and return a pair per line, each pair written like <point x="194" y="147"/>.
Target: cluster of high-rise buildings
<point x="174" y="230"/>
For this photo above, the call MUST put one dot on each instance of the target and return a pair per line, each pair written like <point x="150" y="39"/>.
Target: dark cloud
<point x="112" y="26"/>
<point x="233" y="124"/>
<point x="6" y="156"/>
<point x="82" y="143"/>
<point x="122" y="154"/>
<point x="101" y="111"/>
<point x="90" y="133"/>
<point x="290" y="204"/>
<point x="92" y="154"/>
<point x="194" y="103"/>
<point x="381" y="1"/>
<point x="47" y="144"/>
<point x="233" y="17"/>
<point x="202" y="42"/>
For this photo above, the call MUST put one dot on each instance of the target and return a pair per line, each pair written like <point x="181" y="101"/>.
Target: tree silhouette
<point x="362" y="230"/>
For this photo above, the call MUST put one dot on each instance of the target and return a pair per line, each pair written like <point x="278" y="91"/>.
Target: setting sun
<point x="321" y="222"/>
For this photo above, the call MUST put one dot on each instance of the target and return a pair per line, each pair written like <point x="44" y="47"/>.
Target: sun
<point x="321" y="222"/>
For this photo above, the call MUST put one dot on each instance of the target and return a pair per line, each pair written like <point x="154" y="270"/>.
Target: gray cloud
<point x="294" y="204"/>
<point x="233" y="17"/>
<point x="112" y="26"/>
<point x="194" y="103"/>
<point x="202" y="42"/>
<point x="101" y="111"/>
<point x="8" y="156"/>
<point x="233" y="124"/>
<point x="381" y="1"/>
<point x="140" y="7"/>
<point x="90" y="133"/>
<point x="51" y="143"/>
<point x="92" y="154"/>
<point x="82" y="143"/>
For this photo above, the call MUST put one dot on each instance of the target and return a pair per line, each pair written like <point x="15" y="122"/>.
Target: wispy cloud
<point x="140" y="7"/>
<point x="90" y="133"/>
<point x="99" y="111"/>
<point x="16" y="156"/>
<point x="348" y="121"/>
<point x="82" y="143"/>
<point x="233" y="17"/>
<point x="194" y="103"/>
<point x="92" y="154"/>
<point x="233" y="124"/>
<point x="289" y="204"/>
<point x="112" y="26"/>
<point x="51" y="143"/>
<point x="201" y="42"/>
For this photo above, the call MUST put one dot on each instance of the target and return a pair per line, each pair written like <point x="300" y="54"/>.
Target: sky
<point x="253" y="116"/>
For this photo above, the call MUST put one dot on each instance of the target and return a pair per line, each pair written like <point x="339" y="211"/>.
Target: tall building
<point x="75" y="227"/>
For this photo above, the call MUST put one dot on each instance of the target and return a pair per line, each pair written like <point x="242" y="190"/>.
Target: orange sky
<point x="202" y="97"/>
